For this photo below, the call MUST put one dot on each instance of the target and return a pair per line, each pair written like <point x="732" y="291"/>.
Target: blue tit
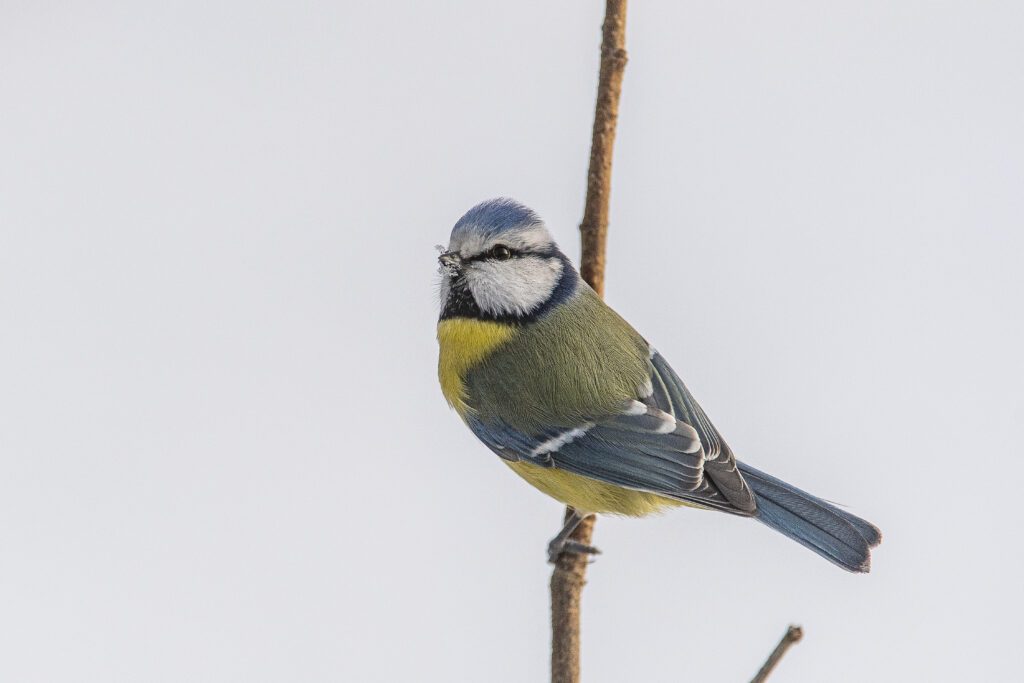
<point x="569" y="396"/>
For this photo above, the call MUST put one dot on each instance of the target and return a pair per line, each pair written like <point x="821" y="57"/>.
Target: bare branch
<point x="569" y="576"/>
<point x="792" y="636"/>
<point x="594" y="228"/>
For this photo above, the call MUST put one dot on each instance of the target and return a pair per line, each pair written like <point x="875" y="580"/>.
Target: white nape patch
<point x="647" y="390"/>
<point x="652" y="352"/>
<point x="635" y="408"/>
<point x="555" y="443"/>
<point x="515" y="286"/>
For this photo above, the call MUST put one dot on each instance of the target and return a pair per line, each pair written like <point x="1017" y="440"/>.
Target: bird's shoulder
<point x="579" y="360"/>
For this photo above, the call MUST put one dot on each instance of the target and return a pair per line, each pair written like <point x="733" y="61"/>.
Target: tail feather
<point x="835" y="534"/>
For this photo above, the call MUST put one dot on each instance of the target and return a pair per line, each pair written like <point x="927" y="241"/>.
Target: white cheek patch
<point x="513" y="287"/>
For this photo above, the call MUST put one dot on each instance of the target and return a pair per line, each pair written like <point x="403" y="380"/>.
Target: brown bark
<point x="792" y="636"/>
<point x="594" y="228"/>
<point x="569" y="575"/>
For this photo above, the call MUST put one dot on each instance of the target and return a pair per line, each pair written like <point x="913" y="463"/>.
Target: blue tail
<point x="836" y="535"/>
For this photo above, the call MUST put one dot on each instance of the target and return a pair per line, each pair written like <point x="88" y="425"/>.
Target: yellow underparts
<point x="591" y="495"/>
<point x="463" y="343"/>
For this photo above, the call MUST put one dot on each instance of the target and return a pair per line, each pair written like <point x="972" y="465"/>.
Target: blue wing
<point x="661" y="443"/>
<point x="671" y="395"/>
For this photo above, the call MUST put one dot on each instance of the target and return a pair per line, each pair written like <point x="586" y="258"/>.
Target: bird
<point x="576" y="402"/>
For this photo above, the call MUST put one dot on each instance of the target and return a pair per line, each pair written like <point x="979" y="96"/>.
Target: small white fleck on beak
<point x="451" y="262"/>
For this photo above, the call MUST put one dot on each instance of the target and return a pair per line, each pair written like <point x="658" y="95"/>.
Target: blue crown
<point x="494" y="217"/>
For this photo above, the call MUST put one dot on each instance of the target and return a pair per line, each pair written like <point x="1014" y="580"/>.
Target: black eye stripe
<point x="499" y="252"/>
<point x="543" y="252"/>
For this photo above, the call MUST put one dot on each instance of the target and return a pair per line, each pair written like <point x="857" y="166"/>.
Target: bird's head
<point x="502" y="264"/>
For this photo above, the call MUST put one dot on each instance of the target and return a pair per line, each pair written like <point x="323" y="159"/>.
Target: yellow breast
<point x="463" y="344"/>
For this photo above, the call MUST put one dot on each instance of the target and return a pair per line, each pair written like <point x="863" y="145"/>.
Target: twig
<point x="792" y="636"/>
<point x="594" y="228"/>
<point x="569" y="575"/>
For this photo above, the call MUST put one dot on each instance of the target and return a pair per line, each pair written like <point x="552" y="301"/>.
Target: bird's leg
<point x="563" y="544"/>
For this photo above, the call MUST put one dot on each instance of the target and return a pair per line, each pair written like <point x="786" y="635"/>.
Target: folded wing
<point x="661" y="443"/>
<point x="671" y="395"/>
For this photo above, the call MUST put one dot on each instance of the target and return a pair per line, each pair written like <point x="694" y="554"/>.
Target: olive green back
<point x="579" y="362"/>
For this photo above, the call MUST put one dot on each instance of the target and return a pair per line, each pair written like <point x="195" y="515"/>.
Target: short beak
<point x="450" y="259"/>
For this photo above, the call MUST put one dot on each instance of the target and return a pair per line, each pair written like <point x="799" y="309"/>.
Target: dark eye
<point x="501" y="253"/>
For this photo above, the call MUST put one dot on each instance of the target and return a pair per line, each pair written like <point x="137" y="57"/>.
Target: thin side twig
<point x="792" y="636"/>
<point x="569" y="575"/>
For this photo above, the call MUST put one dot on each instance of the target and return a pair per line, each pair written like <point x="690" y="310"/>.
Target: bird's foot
<point x="559" y="546"/>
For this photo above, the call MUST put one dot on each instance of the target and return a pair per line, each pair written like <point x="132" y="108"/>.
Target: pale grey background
<point x="224" y="454"/>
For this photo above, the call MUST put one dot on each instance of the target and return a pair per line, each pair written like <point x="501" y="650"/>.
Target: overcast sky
<point x="224" y="453"/>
